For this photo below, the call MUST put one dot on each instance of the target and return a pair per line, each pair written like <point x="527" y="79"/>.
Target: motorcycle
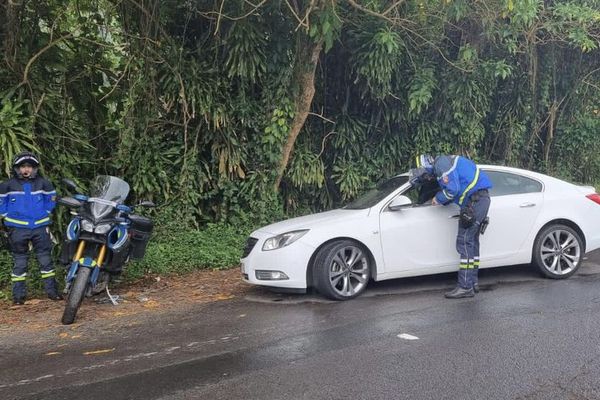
<point x="103" y="235"/>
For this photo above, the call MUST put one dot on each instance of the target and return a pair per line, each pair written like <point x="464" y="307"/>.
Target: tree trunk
<point x="550" y="133"/>
<point x="9" y="31"/>
<point x="306" y="64"/>
<point x="536" y="126"/>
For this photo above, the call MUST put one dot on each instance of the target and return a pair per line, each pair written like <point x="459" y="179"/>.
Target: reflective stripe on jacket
<point x="27" y="203"/>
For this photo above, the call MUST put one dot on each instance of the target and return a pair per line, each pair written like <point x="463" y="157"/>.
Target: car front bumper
<point x="291" y="260"/>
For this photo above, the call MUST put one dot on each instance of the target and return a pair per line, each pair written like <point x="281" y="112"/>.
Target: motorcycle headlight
<point x="87" y="226"/>
<point x="285" y="239"/>
<point x="103" y="228"/>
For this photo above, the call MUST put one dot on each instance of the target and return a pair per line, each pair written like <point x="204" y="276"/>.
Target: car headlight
<point x="103" y="228"/>
<point x="285" y="239"/>
<point x="87" y="226"/>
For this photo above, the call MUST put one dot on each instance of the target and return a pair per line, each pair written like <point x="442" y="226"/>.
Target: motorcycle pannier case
<point x="140" y="230"/>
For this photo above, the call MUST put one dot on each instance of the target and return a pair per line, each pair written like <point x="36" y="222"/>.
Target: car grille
<point x="250" y="243"/>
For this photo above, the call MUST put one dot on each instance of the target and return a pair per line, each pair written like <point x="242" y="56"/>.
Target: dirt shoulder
<point x="152" y="294"/>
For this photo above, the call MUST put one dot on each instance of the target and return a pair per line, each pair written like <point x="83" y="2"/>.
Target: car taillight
<point x="595" y="197"/>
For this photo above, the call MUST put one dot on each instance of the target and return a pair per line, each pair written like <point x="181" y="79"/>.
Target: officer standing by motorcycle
<point x="464" y="184"/>
<point x="26" y="201"/>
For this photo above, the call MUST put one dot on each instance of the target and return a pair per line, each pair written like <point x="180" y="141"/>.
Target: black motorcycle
<point x="102" y="236"/>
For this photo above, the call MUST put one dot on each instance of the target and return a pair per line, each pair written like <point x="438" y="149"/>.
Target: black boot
<point x="459" y="293"/>
<point x="19" y="301"/>
<point x="476" y="287"/>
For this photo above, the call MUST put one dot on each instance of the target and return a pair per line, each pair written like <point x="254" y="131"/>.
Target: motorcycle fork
<point x="96" y="265"/>
<point x="101" y="255"/>
<point x="74" y="265"/>
<point x="79" y="252"/>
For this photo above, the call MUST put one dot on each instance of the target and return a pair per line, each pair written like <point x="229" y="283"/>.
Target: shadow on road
<point x="489" y="279"/>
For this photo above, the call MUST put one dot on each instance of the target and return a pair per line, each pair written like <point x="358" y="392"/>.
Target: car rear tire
<point x="558" y="251"/>
<point x="342" y="270"/>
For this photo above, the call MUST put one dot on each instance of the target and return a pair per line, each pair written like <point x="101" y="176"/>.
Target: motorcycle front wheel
<point x="76" y="295"/>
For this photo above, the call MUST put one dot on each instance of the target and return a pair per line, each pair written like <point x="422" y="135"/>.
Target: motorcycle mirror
<point x="147" y="203"/>
<point x="69" y="183"/>
<point x="69" y="202"/>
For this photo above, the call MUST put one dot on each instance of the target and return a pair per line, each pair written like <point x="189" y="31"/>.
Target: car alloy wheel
<point x="558" y="251"/>
<point x="343" y="270"/>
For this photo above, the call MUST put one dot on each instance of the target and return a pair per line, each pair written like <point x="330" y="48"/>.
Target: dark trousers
<point x="42" y="245"/>
<point x="467" y="241"/>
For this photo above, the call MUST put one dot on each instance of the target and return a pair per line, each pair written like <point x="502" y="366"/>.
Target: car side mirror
<point x="399" y="203"/>
<point x="69" y="183"/>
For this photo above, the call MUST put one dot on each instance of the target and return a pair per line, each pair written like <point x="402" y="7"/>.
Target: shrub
<point x="171" y="250"/>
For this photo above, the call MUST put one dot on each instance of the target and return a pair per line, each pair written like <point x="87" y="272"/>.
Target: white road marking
<point x="26" y="381"/>
<point x="406" y="336"/>
<point x="128" y="358"/>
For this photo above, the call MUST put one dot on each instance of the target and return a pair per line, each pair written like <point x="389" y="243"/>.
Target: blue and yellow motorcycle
<point x="102" y="236"/>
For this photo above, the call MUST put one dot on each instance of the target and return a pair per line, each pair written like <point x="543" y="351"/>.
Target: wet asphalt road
<point x="522" y="337"/>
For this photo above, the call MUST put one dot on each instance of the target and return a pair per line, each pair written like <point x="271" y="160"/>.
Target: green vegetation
<point x="215" y="246"/>
<point x="240" y="112"/>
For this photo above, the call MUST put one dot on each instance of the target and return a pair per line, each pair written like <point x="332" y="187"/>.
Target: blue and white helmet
<point x="423" y="171"/>
<point x="425" y="161"/>
<point x="25" y="157"/>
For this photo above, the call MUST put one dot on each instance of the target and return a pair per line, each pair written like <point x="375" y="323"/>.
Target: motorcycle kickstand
<point x="113" y="299"/>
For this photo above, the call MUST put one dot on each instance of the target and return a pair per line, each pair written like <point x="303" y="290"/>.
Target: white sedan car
<point x="390" y="232"/>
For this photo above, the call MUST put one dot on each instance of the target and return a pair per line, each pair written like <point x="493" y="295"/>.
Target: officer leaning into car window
<point x="464" y="184"/>
<point x="26" y="201"/>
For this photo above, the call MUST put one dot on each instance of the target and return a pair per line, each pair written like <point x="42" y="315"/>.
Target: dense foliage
<point x="224" y="110"/>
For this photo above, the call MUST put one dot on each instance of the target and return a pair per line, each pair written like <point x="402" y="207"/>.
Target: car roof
<point x="503" y="168"/>
<point x="548" y="181"/>
<point x="519" y="171"/>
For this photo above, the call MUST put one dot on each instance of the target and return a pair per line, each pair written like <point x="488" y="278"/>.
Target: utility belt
<point x="467" y="213"/>
<point x="476" y="196"/>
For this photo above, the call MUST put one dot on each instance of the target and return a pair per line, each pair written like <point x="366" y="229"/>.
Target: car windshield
<point x="374" y="196"/>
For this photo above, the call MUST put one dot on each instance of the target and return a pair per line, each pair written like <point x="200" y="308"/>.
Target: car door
<point x="418" y="236"/>
<point x="516" y="202"/>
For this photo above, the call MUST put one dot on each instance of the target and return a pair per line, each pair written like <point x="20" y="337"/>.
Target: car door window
<point x="421" y="194"/>
<point x="506" y="183"/>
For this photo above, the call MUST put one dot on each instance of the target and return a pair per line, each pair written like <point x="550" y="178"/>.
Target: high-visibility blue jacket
<point x="459" y="178"/>
<point x="27" y="203"/>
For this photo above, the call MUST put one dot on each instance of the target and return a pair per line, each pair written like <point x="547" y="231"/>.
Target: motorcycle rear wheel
<point x="76" y="295"/>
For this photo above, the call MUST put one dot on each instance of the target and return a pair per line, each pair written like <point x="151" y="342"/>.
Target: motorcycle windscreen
<point x="109" y="188"/>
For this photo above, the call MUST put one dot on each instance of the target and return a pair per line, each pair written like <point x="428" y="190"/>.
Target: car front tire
<point x="342" y="270"/>
<point x="558" y="251"/>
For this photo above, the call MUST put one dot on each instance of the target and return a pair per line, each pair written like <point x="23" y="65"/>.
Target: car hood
<point x="313" y="220"/>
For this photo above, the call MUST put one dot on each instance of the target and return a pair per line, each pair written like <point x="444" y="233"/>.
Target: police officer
<point x="26" y="201"/>
<point x="464" y="184"/>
